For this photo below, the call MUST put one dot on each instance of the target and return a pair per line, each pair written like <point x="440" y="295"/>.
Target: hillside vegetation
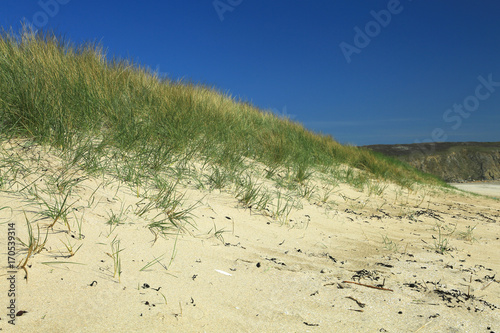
<point x="451" y="161"/>
<point x="75" y="99"/>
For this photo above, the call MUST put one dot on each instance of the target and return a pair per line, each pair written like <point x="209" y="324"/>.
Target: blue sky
<point x="366" y="72"/>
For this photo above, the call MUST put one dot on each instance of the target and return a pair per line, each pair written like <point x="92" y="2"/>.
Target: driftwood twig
<point x="367" y="285"/>
<point x="360" y="304"/>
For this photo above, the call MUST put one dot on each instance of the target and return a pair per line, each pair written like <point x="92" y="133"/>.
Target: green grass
<point x="58" y="210"/>
<point x="218" y="178"/>
<point x="33" y="246"/>
<point x="389" y="244"/>
<point x="282" y="209"/>
<point x="115" y="255"/>
<point x="248" y="192"/>
<point x="70" y="248"/>
<point x="441" y="243"/>
<point x="468" y="234"/>
<point x="61" y="94"/>
<point x="153" y="262"/>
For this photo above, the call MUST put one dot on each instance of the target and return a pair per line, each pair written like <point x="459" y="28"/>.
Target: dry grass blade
<point x="34" y="245"/>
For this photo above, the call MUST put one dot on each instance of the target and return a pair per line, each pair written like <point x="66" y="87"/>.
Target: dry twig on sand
<point x="367" y="285"/>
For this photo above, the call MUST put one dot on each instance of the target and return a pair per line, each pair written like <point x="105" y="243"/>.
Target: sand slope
<point x="257" y="274"/>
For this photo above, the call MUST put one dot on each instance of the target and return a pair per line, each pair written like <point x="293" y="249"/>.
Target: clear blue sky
<point x="400" y="86"/>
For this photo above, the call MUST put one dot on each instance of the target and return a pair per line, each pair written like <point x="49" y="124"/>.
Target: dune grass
<point x="61" y="94"/>
<point x="155" y="136"/>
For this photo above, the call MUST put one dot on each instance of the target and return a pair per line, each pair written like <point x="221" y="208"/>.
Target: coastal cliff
<point x="451" y="161"/>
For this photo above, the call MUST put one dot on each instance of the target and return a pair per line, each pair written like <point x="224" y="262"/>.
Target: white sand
<point x="484" y="188"/>
<point x="262" y="276"/>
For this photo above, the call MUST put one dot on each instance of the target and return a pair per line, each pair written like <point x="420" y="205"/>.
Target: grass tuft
<point x="34" y="245"/>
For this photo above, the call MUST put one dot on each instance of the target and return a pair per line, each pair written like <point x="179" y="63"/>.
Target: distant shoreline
<point x="477" y="182"/>
<point x="490" y="188"/>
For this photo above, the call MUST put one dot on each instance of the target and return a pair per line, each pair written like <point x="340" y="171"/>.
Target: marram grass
<point x="61" y="94"/>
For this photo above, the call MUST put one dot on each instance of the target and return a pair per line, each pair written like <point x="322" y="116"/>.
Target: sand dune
<point x="420" y="260"/>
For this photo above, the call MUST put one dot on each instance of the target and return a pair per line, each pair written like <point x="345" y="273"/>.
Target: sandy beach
<point x="249" y="166"/>
<point x="484" y="188"/>
<point x="400" y="260"/>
